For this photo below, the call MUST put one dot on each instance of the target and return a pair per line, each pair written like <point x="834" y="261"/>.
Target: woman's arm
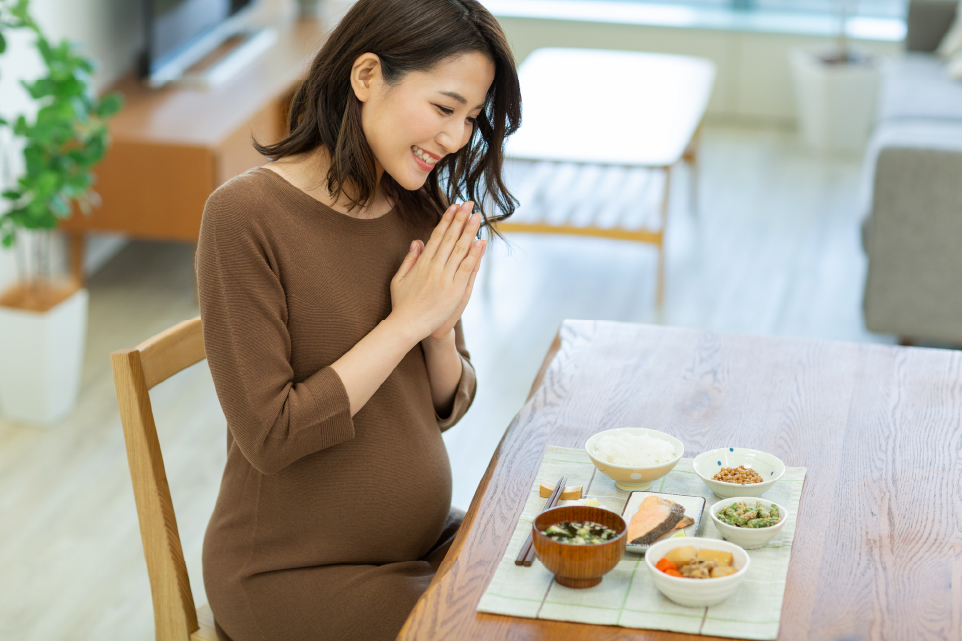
<point x="444" y="371"/>
<point x="428" y="296"/>
<point x="368" y="364"/>
<point x="275" y="420"/>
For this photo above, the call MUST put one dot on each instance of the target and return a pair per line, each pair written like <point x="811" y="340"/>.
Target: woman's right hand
<point x="431" y="283"/>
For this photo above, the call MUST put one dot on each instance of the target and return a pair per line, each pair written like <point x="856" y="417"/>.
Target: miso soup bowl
<point x="697" y="593"/>
<point x="579" y="566"/>
<point x="634" y="477"/>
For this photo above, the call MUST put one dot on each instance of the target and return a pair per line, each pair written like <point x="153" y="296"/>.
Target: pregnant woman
<point x="331" y="284"/>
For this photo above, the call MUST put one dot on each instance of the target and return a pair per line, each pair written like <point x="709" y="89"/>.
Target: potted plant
<point x="836" y="90"/>
<point x="43" y="319"/>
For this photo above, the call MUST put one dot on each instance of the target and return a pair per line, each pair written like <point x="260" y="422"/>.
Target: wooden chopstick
<point x="526" y="555"/>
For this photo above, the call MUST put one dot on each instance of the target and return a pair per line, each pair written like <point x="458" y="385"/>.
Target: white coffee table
<point x="585" y="108"/>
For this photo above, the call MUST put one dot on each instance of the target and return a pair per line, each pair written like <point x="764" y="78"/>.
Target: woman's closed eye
<point x="448" y="112"/>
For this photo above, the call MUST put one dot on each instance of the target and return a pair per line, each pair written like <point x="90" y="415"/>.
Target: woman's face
<point x="425" y="117"/>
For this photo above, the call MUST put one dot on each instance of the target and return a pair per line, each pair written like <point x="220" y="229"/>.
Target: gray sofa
<point x="913" y="235"/>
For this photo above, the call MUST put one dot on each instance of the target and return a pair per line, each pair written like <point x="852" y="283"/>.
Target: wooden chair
<point x="136" y="371"/>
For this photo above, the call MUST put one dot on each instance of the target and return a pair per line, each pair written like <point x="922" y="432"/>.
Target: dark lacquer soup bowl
<point x="579" y="566"/>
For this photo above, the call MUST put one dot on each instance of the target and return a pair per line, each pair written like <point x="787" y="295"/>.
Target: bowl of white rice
<point x="634" y="456"/>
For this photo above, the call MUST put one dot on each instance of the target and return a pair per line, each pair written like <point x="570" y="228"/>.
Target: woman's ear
<point x="365" y="75"/>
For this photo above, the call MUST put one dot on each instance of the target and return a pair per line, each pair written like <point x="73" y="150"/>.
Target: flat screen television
<point x="179" y="32"/>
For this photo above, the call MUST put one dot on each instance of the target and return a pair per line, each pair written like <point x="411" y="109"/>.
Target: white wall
<point x="109" y="31"/>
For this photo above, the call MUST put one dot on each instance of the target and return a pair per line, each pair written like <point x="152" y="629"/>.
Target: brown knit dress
<point x="326" y="527"/>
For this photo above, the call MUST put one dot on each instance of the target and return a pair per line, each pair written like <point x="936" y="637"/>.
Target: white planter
<point x="835" y="104"/>
<point x="41" y="356"/>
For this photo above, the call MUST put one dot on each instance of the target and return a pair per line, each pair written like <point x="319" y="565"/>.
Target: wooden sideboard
<point x="171" y="147"/>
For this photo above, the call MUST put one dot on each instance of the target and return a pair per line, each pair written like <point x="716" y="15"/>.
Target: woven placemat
<point x="626" y="596"/>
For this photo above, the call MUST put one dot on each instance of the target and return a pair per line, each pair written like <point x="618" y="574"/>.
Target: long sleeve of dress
<point x="464" y="395"/>
<point x="273" y="419"/>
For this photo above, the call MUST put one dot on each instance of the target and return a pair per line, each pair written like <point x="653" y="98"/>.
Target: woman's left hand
<point x="444" y="331"/>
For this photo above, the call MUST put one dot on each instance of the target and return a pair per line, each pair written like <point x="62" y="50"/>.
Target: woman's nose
<point x="451" y="136"/>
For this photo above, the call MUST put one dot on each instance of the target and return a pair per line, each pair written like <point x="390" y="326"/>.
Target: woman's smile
<point x="424" y="159"/>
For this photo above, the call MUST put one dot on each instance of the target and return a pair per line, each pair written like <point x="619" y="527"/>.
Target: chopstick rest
<point x="570" y="493"/>
<point x="526" y="555"/>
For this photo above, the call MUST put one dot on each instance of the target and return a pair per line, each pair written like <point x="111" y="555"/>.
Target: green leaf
<point x="47" y="183"/>
<point x="57" y="111"/>
<point x="45" y="51"/>
<point x="77" y="156"/>
<point x="79" y="182"/>
<point x="59" y="206"/>
<point x="3" y="44"/>
<point x="36" y="208"/>
<point x="110" y="104"/>
<point x="96" y="149"/>
<point x="8" y="239"/>
<point x="40" y="89"/>
<point x="12" y="194"/>
<point x="35" y="163"/>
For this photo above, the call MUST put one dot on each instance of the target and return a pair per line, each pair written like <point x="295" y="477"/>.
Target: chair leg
<point x="665" y="201"/>
<point x="660" y="285"/>
<point x="693" y="171"/>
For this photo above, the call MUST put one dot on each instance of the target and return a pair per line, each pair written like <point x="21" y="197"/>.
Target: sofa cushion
<point x="917" y="86"/>
<point x="936" y="135"/>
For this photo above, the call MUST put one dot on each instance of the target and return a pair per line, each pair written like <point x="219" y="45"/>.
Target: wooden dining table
<point x="878" y="545"/>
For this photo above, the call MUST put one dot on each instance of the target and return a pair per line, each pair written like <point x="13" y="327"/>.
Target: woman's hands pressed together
<point x="428" y="295"/>
<point x="435" y="281"/>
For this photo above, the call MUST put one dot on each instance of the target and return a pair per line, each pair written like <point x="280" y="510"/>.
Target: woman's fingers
<point x="435" y="240"/>
<point x="469" y="266"/>
<point x="412" y="257"/>
<point x="452" y="234"/>
<point x="474" y="274"/>
<point x="463" y="245"/>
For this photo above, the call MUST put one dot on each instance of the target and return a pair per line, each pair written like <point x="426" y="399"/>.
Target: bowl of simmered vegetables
<point x="696" y="572"/>
<point x="748" y="521"/>
<point x="579" y="544"/>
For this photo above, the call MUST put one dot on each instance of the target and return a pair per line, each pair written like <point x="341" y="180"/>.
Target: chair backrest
<point x="135" y="372"/>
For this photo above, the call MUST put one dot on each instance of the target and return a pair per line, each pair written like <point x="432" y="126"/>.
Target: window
<point x="868" y="8"/>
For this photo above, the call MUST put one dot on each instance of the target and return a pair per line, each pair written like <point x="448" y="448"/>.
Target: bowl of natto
<point x="769" y="467"/>
<point x="579" y="566"/>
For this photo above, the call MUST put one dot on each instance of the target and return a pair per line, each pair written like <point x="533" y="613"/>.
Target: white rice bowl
<point x="633" y="450"/>
<point x="633" y="457"/>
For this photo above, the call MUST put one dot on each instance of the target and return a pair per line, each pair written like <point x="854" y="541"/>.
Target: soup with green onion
<point x="579" y="532"/>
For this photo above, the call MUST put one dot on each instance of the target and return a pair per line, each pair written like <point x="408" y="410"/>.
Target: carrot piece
<point x="673" y="573"/>
<point x="664" y="565"/>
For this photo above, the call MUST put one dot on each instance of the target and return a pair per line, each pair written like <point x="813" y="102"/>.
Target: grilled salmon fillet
<point x="655" y="517"/>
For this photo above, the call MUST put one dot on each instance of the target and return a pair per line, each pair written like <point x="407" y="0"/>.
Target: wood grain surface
<point x="878" y="549"/>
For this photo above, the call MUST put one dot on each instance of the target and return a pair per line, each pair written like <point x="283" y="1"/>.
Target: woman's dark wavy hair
<point x="407" y="35"/>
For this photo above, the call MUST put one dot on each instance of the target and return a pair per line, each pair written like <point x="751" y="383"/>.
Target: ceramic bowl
<point x="708" y="464"/>
<point x="748" y="538"/>
<point x="697" y="593"/>
<point x="579" y="566"/>
<point x="633" y="478"/>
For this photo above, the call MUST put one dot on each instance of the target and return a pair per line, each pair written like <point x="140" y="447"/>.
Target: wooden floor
<point x="773" y="250"/>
